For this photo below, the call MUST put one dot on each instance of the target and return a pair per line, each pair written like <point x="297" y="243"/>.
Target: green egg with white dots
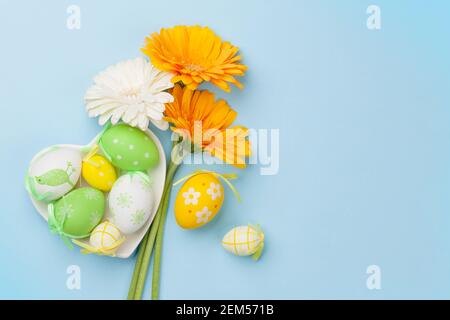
<point x="129" y="148"/>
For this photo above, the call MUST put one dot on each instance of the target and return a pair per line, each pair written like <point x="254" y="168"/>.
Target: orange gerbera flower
<point x="195" y="54"/>
<point x="205" y="121"/>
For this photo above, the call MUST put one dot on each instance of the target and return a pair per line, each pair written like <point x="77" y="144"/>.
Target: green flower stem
<point x="137" y="268"/>
<point x="142" y="276"/>
<point x="142" y="261"/>
<point x="158" y="249"/>
<point x="160" y="233"/>
<point x="145" y="251"/>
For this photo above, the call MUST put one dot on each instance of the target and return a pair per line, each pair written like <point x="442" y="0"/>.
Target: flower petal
<point x="127" y="90"/>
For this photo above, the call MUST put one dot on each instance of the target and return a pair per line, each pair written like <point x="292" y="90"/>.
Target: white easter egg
<point x="54" y="173"/>
<point x="130" y="201"/>
<point x="243" y="240"/>
<point x="105" y="238"/>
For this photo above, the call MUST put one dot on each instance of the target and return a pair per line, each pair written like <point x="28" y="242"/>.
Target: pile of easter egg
<point x="80" y="186"/>
<point x="98" y="195"/>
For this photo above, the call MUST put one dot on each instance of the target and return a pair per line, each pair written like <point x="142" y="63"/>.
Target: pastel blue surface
<point x="364" y="128"/>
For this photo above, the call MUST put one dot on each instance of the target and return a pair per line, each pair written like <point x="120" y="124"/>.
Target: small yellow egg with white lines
<point x="105" y="239"/>
<point x="244" y="241"/>
<point x="98" y="172"/>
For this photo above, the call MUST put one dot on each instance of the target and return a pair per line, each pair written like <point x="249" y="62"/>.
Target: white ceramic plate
<point x="158" y="177"/>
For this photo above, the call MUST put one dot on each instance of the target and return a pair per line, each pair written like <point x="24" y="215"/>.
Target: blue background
<point x="364" y="147"/>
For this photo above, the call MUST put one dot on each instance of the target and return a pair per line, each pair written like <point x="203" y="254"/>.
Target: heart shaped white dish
<point x="57" y="182"/>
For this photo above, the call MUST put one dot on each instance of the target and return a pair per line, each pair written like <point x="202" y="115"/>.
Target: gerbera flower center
<point x="194" y="67"/>
<point x="132" y="93"/>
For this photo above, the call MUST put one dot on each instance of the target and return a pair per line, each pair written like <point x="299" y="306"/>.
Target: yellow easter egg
<point x="99" y="173"/>
<point x="198" y="201"/>
<point x="105" y="238"/>
<point x="244" y="241"/>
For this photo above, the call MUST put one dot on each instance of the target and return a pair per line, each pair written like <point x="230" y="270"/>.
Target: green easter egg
<point x="129" y="148"/>
<point x="83" y="210"/>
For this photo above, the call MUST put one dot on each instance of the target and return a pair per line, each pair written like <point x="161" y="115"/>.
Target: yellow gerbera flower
<point x="205" y="121"/>
<point x="195" y="54"/>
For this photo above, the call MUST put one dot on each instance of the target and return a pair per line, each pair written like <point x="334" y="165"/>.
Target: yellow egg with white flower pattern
<point x="99" y="172"/>
<point x="198" y="201"/>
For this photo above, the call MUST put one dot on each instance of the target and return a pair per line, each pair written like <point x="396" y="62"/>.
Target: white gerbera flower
<point x="132" y="91"/>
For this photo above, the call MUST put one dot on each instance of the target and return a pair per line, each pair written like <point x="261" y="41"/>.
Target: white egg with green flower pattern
<point x="130" y="201"/>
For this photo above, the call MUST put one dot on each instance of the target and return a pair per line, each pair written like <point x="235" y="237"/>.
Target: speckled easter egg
<point x="99" y="173"/>
<point x="80" y="211"/>
<point x="129" y="148"/>
<point x="53" y="173"/>
<point x="131" y="202"/>
<point x="198" y="201"/>
<point x="105" y="238"/>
